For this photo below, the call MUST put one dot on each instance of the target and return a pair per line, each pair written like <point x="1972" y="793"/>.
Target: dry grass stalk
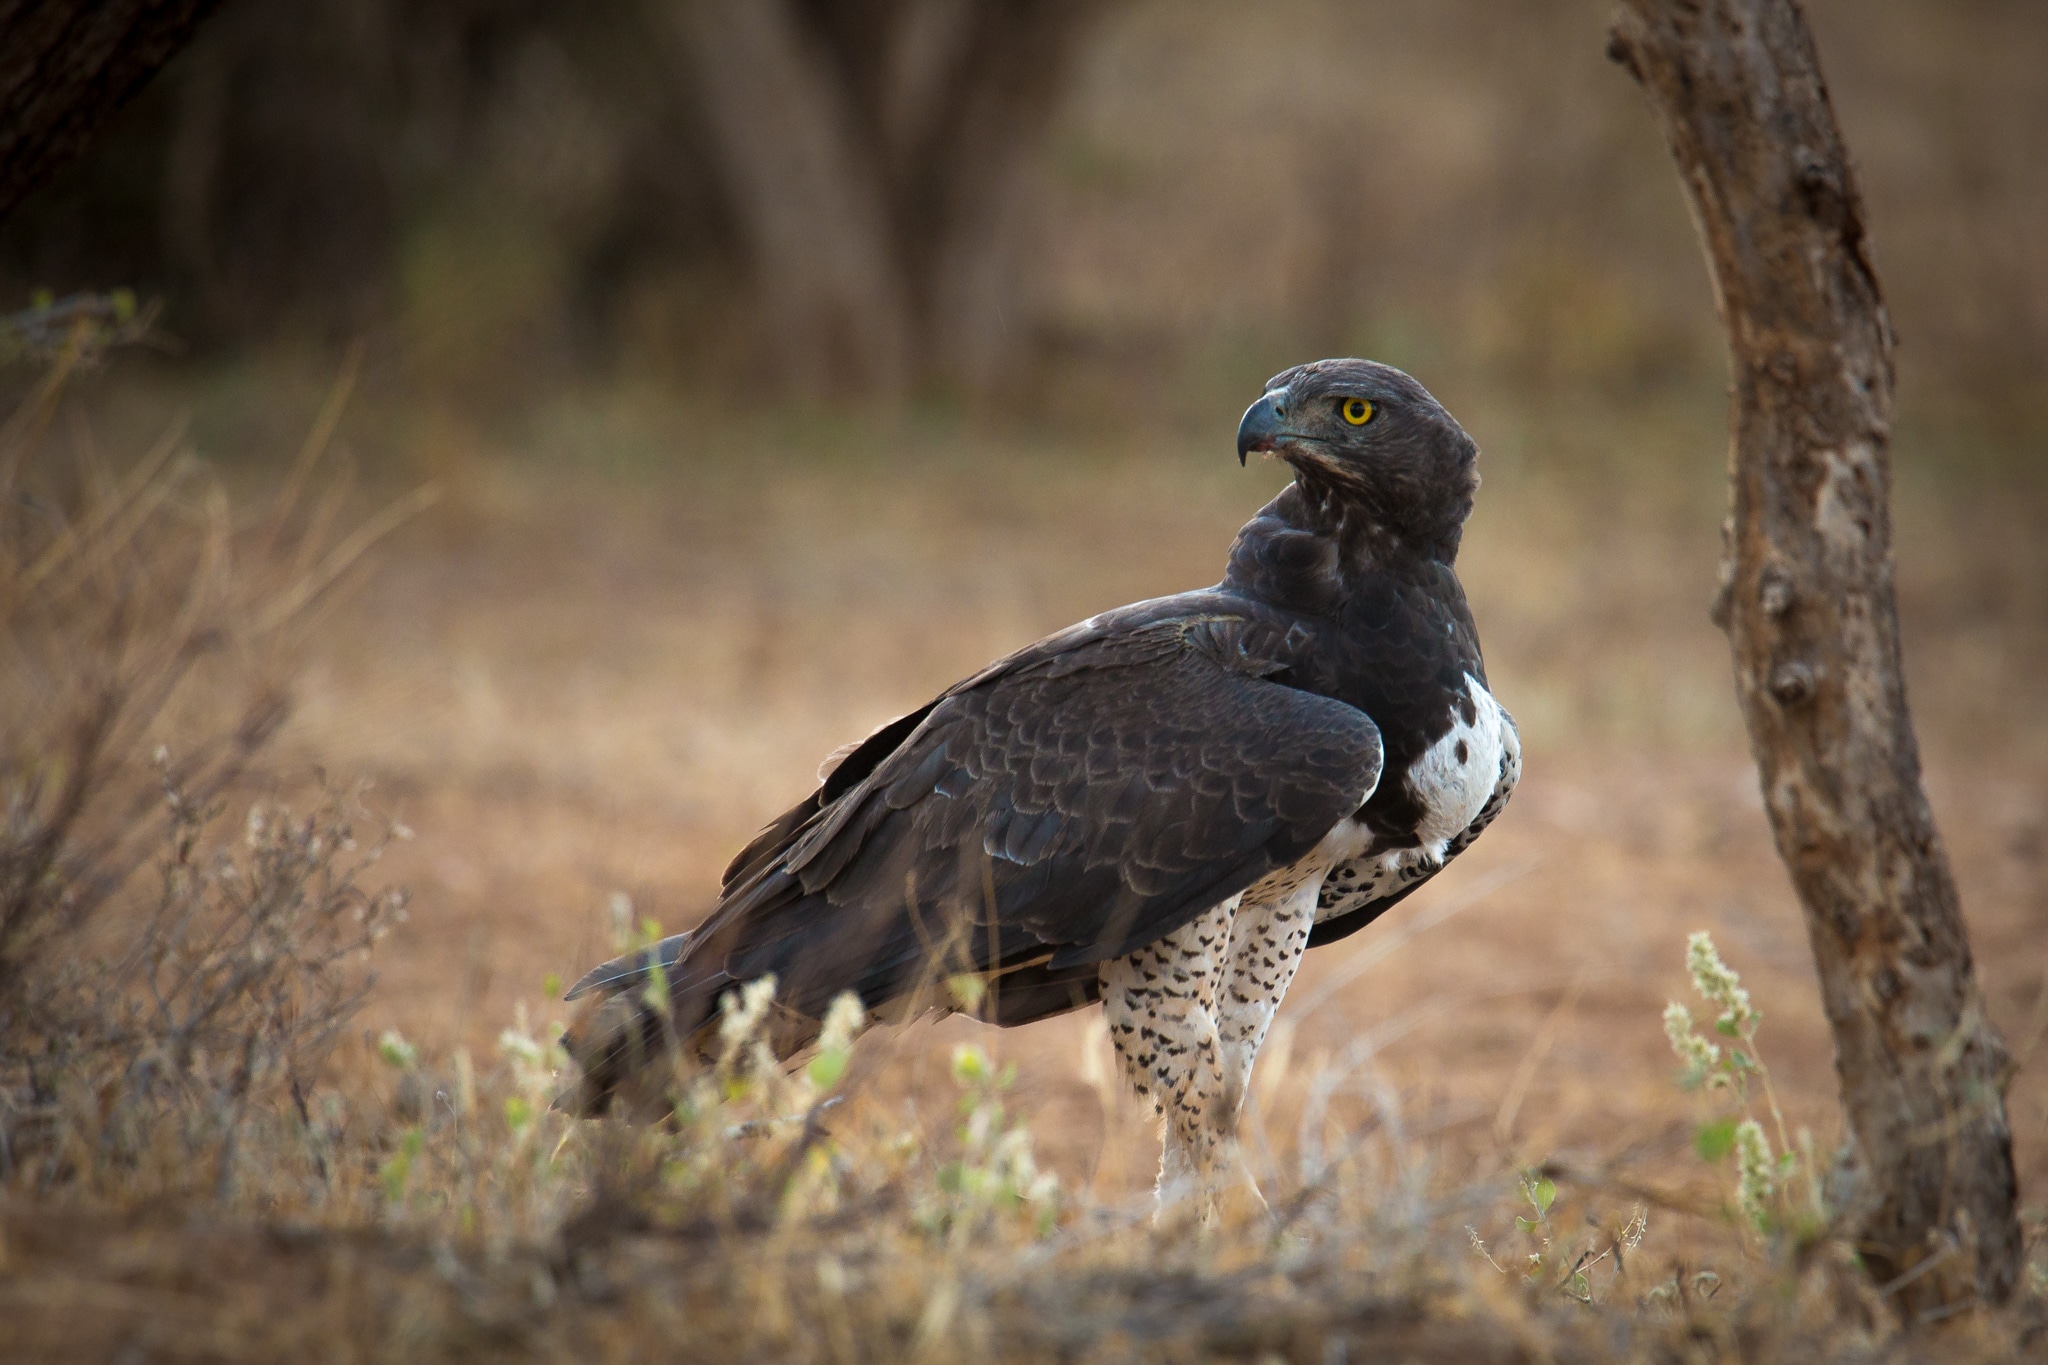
<point x="145" y="1019"/>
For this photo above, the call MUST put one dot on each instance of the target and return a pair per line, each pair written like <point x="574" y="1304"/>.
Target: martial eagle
<point x="1162" y="808"/>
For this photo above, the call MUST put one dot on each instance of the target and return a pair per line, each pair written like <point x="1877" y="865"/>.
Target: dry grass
<point x="631" y="628"/>
<point x="169" y="987"/>
<point x="582" y="687"/>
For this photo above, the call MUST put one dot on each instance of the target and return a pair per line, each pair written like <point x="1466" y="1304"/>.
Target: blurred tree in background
<point x="468" y="168"/>
<point x="514" y="170"/>
<point x="1054" y="202"/>
<point x="876" y="153"/>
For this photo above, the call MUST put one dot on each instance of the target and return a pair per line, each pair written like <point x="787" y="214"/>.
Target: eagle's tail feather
<point x="619" y="1040"/>
<point x="622" y="973"/>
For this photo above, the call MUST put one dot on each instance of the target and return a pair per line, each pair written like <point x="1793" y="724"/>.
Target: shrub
<point x="167" y="974"/>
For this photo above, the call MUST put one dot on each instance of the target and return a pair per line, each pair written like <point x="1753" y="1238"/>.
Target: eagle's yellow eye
<point x="1357" y="411"/>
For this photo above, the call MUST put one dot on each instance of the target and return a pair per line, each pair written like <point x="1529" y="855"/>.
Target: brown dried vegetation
<point x="197" y="1172"/>
<point x="171" y="981"/>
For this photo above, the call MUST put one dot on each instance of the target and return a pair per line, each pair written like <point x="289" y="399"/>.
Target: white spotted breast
<point x="1455" y="776"/>
<point x="1462" y="778"/>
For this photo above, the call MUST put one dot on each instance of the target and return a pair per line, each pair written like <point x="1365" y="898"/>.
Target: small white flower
<point x="1697" y="1053"/>
<point x="745" y="1009"/>
<point x="1756" y="1179"/>
<point x="843" y="1021"/>
<point x="393" y="1048"/>
<point x="1717" y="982"/>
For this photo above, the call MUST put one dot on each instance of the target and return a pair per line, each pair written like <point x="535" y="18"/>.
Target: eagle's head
<point x="1368" y="437"/>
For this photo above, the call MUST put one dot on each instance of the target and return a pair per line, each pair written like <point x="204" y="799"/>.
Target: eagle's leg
<point x="1268" y="939"/>
<point x="1160" y="1003"/>
<point x="1267" y="943"/>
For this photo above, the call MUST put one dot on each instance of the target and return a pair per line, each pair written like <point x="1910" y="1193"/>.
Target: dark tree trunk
<point x="65" y="65"/>
<point x="1807" y="601"/>
<point x="876" y="154"/>
<point x="812" y="215"/>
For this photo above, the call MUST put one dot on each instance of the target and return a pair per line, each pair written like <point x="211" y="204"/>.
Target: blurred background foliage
<point x="1090" y="211"/>
<point x="770" y="364"/>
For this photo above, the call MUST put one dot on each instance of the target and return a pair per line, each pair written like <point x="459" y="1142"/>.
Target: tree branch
<point x="65" y="66"/>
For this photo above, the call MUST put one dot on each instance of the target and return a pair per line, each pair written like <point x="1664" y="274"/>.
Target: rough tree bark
<point x="874" y="152"/>
<point x="65" y="65"/>
<point x="1807" y="601"/>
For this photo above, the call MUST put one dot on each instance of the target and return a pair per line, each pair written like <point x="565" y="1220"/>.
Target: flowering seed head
<point x="521" y="1047"/>
<point x="745" y="1009"/>
<point x="393" y="1048"/>
<point x="1718" y="983"/>
<point x="1697" y="1053"/>
<point x="1756" y="1177"/>
<point x="843" y="1020"/>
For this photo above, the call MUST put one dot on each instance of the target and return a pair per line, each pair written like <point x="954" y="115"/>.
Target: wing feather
<point x="1065" y="806"/>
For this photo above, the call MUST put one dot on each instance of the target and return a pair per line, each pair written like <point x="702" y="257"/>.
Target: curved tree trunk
<point x="1808" y="604"/>
<point x="67" y="64"/>
<point x="876" y="155"/>
<point x="806" y="195"/>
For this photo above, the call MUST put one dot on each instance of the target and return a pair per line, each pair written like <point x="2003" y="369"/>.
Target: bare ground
<point x="602" y="684"/>
<point x="580" y="684"/>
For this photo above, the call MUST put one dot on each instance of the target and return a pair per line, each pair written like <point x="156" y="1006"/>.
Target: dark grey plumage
<point x="1101" y="791"/>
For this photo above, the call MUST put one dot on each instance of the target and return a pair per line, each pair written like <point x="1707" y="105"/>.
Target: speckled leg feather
<point x="1267" y="941"/>
<point x="1160" y="1002"/>
<point x="1188" y="1014"/>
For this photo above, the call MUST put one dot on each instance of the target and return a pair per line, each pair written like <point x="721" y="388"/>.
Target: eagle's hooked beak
<point x="1263" y="425"/>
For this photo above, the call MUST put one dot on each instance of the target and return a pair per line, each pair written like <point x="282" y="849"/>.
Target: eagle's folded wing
<point x="1064" y="809"/>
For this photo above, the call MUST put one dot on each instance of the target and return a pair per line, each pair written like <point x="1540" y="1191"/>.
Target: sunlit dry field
<point x="623" y="635"/>
<point x="600" y="582"/>
<point x="581" y="688"/>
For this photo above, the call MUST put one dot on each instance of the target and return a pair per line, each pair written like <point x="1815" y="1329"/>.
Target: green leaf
<point x="655" y="993"/>
<point x="967" y="990"/>
<point x="396" y="1051"/>
<point x="971" y="1065"/>
<point x="395" y="1173"/>
<point x="1545" y="1194"/>
<point x="551" y="985"/>
<point x="827" y="1067"/>
<point x="1714" y="1140"/>
<point x="1526" y="1224"/>
<point x="1725" y="1026"/>
<point x="518" y="1112"/>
